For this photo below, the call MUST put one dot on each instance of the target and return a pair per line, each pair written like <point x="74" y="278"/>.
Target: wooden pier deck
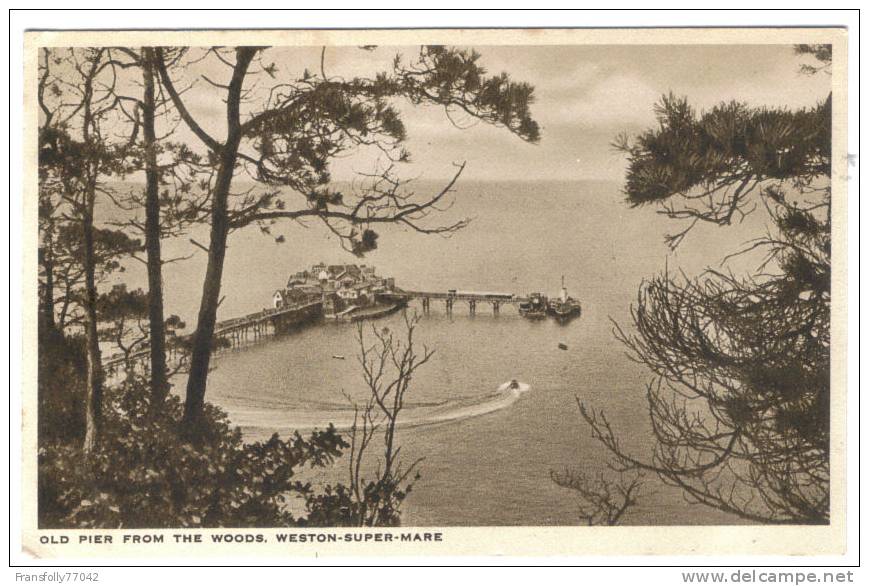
<point x="236" y="331"/>
<point x="267" y="322"/>
<point x="472" y="298"/>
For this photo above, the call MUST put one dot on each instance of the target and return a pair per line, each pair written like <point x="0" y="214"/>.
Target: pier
<point x="231" y="333"/>
<point x="252" y="328"/>
<point x="344" y="292"/>
<point x="472" y="298"/>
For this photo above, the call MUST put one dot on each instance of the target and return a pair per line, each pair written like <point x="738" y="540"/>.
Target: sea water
<point x="487" y="455"/>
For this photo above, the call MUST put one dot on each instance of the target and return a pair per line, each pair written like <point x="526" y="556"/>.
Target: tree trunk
<point x="94" y="391"/>
<point x="46" y="259"/>
<point x="202" y="337"/>
<point x="201" y="348"/>
<point x="156" y="323"/>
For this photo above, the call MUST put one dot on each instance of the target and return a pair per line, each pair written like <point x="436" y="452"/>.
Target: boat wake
<point x="264" y="420"/>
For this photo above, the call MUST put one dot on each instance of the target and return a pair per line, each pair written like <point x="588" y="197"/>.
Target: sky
<point x="585" y="96"/>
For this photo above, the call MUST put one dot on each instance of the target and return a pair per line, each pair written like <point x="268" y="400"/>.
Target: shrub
<point x="142" y="475"/>
<point x="60" y="386"/>
<point x="378" y="504"/>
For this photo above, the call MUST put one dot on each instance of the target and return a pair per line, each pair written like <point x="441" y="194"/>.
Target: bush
<point x="60" y="386"/>
<point x="142" y="475"/>
<point x="378" y="505"/>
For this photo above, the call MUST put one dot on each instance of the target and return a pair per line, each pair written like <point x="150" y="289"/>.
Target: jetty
<point x="450" y="297"/>
<point x="234" y="332"/>
<point x="343" y="292"/>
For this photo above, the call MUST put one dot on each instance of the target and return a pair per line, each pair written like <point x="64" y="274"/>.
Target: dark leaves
<point x="143" y="475"/>
<point x="690" y="154"/>
<point x="366" y="242"/>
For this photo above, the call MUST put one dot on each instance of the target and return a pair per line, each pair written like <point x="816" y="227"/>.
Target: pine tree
<point x="74" y="160"/>
<point x="739" y="402"/>
<point x="288" y="144"/>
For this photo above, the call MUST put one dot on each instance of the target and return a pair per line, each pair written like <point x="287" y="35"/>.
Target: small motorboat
<point x="514" y="386"/>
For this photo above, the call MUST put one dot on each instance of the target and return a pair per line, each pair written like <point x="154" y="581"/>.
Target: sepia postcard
<point x="434" y="292"/>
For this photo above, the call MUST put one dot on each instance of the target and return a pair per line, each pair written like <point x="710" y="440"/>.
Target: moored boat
<point x="564" y="307"/>
<point x="534" y="307"/>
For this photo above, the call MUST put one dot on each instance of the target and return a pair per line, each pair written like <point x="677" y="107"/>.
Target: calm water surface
<point x="487" y="456"/>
